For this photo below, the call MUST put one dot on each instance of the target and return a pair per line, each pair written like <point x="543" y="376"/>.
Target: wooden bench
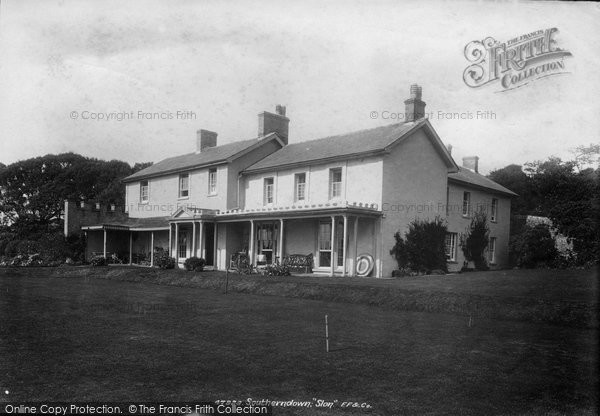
<point x="299" y="262"/>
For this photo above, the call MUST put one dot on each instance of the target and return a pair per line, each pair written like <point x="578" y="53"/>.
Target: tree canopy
<point x="34" y="190"/>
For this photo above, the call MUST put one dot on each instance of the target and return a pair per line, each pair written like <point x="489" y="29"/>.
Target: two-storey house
<point x="339" y="198"/>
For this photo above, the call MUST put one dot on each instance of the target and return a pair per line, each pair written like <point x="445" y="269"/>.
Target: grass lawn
<point x="103" y="340"/>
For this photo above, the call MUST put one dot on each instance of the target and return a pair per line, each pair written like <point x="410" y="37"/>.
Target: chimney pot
<point x="205" y="139"/>
<point x="414" y="107"/>
<point x="472" y="163"/>
<point x="449" y="147"/>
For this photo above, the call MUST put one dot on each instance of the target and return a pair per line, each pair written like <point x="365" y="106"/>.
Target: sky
<point x="337" y="66"/>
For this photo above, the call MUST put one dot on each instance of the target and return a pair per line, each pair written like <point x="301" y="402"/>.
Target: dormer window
<point x="184" y="185"/>
<point x="335" y="183"/>
<point x="144" y="191"/>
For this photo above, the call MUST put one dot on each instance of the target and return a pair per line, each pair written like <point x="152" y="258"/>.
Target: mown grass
<point x="553" y="296"/>
<point x="94" y="339"/>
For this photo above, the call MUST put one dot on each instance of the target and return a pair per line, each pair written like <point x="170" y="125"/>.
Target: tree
<point x="475" y="240"/>
<point x="514" y="178"/>
<point x="34" y="190"/>
<point x="423" y="249"/>
<point x="570" y="199"/>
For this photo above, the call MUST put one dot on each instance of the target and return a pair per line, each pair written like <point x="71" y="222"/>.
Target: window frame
<point x="212" y="181"/>
<point x="451" y="257"/>
<point x="266" y="188"/>
<point x="147" y="193"/>
<point x="466" y="204"/>
<point x="297" y="184"/>
<point x="332" y="183"/>
<point x="494" y="210"/>
<point x="492" y="247"/>
<point x="180" y="190"/>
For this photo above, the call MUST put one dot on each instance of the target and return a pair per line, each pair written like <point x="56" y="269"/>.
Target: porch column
<point x="130" y="248"/>
<point x="251" y="245"/>
<point x="333" y="258"/>
<point x="280" y="248"/>
<point x="345" y="245"/>
<point x="176" y="244"/>
<point x="201" y="242"/>
<point x="193" y="238"/>
<point x="355" y="253"/>
<point x="170" y="238"/>
<point x="152" y="249"/>
<point x="104" y="244"/>
<point x="215" y="251"/>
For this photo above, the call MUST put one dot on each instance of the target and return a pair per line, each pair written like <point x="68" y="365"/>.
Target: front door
<point x="184" y="245"/>
<point x="209" y="243"/>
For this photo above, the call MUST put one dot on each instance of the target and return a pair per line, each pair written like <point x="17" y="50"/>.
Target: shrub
<point x="98" y="261"/>
<point x="475" y="240"/>
<point x="194" y="264"/>
<point x="163" y="260"/>
<point x="533" y="247"/>
<point x="277" y="270"/>
<point x="423" y="247"/>
<point x="10" y="250"/>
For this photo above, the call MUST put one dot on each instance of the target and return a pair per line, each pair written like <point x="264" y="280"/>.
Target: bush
<point x="194" y="264"/>
<point x="475" y="240"/>
<point x="424" y="247"/>
<point x="533" y="247"/>
<point x="163" y="260"/>
<point x="277" y="270"/>
<point x="98" y="261"/>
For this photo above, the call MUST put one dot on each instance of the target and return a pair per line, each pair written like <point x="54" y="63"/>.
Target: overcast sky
<point x="331" y="64"/>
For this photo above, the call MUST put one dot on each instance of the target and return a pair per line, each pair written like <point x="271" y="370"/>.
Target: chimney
<point x="205" y="139"/>
<point x="472" y="163"/>
<point x="414" y="108"/>
<point x="449" y="147"/>
<point x="274" y="123"/>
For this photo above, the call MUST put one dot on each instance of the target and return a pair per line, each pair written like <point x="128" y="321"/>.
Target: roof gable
<point x="468" y="177"/>
<point x="209" y="156"/>
<point x="378" y="140"/>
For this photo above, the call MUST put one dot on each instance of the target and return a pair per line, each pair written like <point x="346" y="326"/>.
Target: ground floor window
<point x="451" y="239"/>
<point x="267" y="236"/>
<point x="492" y="250"/>
<point x="325" y="244"/>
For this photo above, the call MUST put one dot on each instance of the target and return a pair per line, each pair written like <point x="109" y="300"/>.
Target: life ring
<point x="364" y="265"/>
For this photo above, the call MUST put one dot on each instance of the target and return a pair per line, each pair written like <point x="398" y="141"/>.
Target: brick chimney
<point x="205" y="139"/>
<point x="472" y="163"/>
<point x="274" y="123"/>
<point x="414" y="107"/>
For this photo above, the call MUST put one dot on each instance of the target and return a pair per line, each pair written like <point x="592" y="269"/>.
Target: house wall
<point x="358" y="177"/>
<point x="414" y="186"/>
<point x="480" y="199"/>
<point x="242" y="163"/>
<point x="163" y="194"/>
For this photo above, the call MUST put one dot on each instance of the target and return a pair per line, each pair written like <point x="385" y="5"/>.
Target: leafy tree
<point x="570" y="200"/>
<point x="475" y="240"/>
<point x="33" y="190"/>
<point x="424" y="247"/>
<point x="514" y="178"/>
<point x="533" y="246"/>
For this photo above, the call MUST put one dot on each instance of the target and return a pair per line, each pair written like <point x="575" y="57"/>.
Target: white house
<point x="336" y="198"/>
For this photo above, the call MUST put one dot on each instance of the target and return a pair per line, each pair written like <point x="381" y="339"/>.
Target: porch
<point x="335" y="238"/>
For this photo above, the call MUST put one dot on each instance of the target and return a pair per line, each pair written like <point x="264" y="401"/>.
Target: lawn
<point x="105" y="340"/>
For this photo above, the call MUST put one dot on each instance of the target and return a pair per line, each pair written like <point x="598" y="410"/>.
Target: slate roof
<point x="467" y="176"/>
<point x="340" y="146"/>
<point x="127" y="223"/>
<point x="209" y="156"/>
